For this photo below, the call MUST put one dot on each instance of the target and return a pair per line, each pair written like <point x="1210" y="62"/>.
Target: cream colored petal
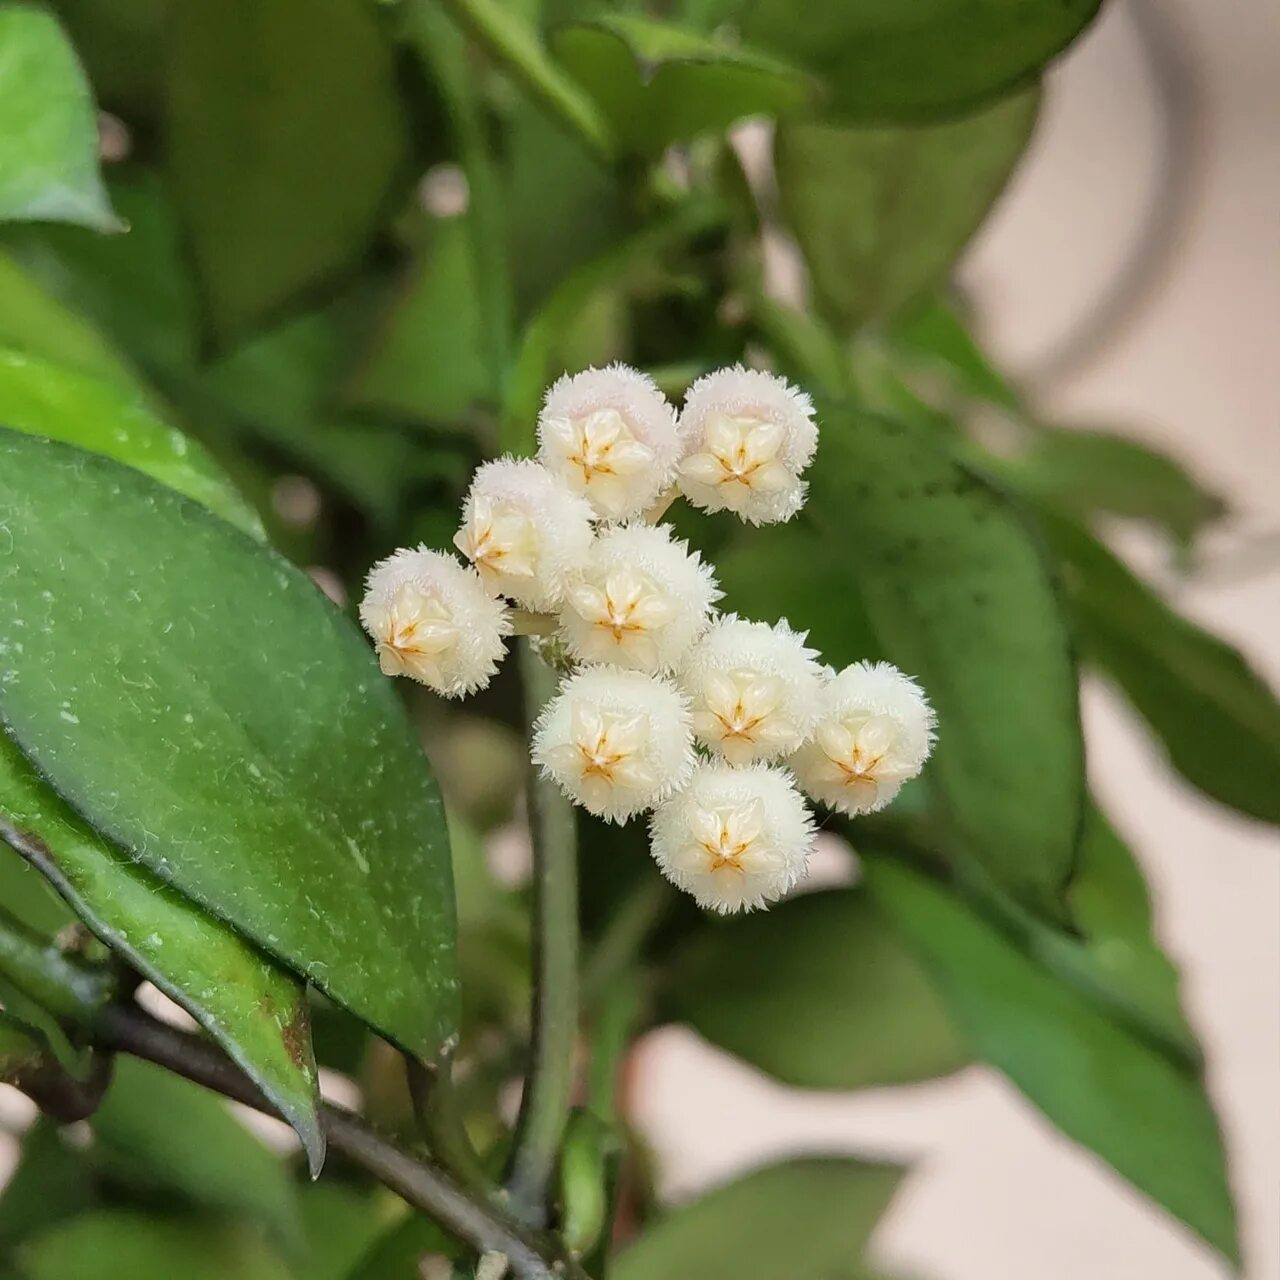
<point x="703" y="468"/>
<point x="724" y="436"/>
<point x="764" y="440"/>
<point x="835" y="740"/>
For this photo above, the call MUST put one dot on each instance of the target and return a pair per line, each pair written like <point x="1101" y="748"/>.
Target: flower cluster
<point x="711" y="723"/>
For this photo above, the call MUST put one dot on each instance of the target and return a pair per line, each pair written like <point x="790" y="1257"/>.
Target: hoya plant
<point x="446" y="595"/>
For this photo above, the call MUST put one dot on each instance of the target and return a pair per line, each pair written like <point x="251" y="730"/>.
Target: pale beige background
<point x="996" y="1194"/>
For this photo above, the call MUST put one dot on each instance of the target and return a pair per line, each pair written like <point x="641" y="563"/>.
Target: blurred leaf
<point x="24" y="892"/>
<point x="285" y="136"/>
<point x="806" y="350"/>
<point x="881" y="214"/>
<point x="1217" y="718"/>
<point x="121" y="43"/>
<point x="256" y="1011"/>
<point x="340" y="1224"/>
<point x="915" y="59"/>
<point x="955" y="586"/>
<point x="51" y="1182"/>
<point x="395" y="1256"/>
<point x="233" y="768"/>
<point x="658" y="83"/>
<point x="79" y="409"/>
<point x="792" y="1221"/>
<point x="127" y="1245"/>
<point x="1091" y="473"/>
<point x="48" y="126"/>
<point x="428" y="361"/>
<point x="819" y="992"/>
<point x="20" y="1046"/>
<point x="34" y="321"/>
<point x="172" y="1138"/>
<point x="1103" y="1088"/>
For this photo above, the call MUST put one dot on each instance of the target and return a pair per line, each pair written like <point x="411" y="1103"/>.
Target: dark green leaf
<point x="51" y="1181"/>
<point x="397" y="1254"/>
<point x="122" y="46"/>
<point x="48" y="126"/>
<point x="819" y="992"/>
<point x="124" y="1245"/>
<point x="959" y="595"/>
<point x="1217" y="718"/>
<point x="285" y="136"/>
<point x="48" y="400"/>
<point x="340" y="1224"/>
<point x="228" y="728"/>
<point x="25" y="893"/>
<point x="660" y="84"/>
<point x="1102" y="1087"/>
<point x="168" y="1136"/>
<point x="881" y="214"/>
<point x="791" y="1221"/>
<point x="252" y="1008"/>
<point x="916" y="59"/>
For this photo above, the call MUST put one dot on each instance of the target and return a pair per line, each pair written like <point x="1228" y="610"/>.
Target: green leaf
<point x="658" y="83"/>
<point x="122" y="47"/>
<point x="916" y="59"/>
<point x="256" y="1011"/>
<point x="959" y="595"/>
<point x="340" y="1224"/>
<point x="77" y="408"/>
<point x="163" y="1134"/>
<point x="1215" y="715"/>
<point x="128" y="1245"/>
<point x="792" y="1221"/>
<point x="881" y="214"/>
<point x="286" y="136"/>
<point x="1102" y="1087"/>
<point x="397" y="1253"/>
<point x="50" y="1183"/>
<point x="227" y="728"/>
<point x="819" y="992"/>
<point x="48" y="126"/>
<point x="25" y="893"/>
<point x="34" y="321"/>
<point x="1090" y="473"/>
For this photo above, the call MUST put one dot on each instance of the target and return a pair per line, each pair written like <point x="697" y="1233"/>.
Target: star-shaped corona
<point x="735" y="838"/>
<point x="432" y="620"/>
<point x="875" y="733"/>
<point x="641" y="601"/>
<point x="611" y="435"/>
<point x="748" y="436"/>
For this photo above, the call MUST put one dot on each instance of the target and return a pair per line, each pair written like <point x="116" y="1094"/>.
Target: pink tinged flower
<point x="876" y="732"/>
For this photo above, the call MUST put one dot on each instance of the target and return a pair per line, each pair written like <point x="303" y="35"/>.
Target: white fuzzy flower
<point x="754" y="688"/>
<point x="611" y="435"/>
<point x="876" y="731"/>
<point x="735" y="838"/>
<point x="641" y="601"/>
<point x="524" y="531"/>
<point x="616" y="742"/>
<point x="432" y="620"/>
<point x="747" y="438"/>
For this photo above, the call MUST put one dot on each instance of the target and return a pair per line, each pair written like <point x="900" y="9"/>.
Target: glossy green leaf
<point x="1101" y="1086"/>
<point x="790" y="1221"/>
<point x="881" y="214"/>
<point x="226" y="727"/>
<point x="48" y="126"/>
<point x="1215" y="715"/>
<point x="286" y="136"/>
<point x="51" y="1181"/>
<point x="658" y="83"/>
<point x="820" y="992"/>
<point x="48" y="400"/>
<point x="247" y="1004"/>
<point x="959" y="595"/>
<point x="164" y="1134"/>
<point x="130" y="1245"/>
<point x="915" y="59"/>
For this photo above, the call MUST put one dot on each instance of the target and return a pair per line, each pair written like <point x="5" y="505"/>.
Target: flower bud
<point x="524" y="531"/>
<point x="611" y="436"/>
<point x="735" y="838"/>
<point x="754" y="689"/>
<point x="641" y="601"/>
<point x="875" y="733"/>
<point x="616" y="742"/>
<point x="432" y="620"/>
<point x="747" y="437"/>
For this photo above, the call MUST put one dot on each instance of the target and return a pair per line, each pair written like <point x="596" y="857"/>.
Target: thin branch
<point x="544" y="1109"/>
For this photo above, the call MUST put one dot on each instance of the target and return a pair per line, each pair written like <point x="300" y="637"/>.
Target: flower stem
<point x="548" y="1090"/>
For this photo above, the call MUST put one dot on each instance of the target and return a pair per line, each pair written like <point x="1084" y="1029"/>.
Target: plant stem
<point x="544" y="1108"/>
<point x="499" y="30"/>
<point x="435" y="1106"/>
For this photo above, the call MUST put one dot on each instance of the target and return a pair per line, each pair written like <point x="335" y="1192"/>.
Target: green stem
<point x="544" y="1109"/>
<point x="67" y="989"/>
<point x="619" y="946"/>
<point x="435" y="1105"/>
<point x="516" y="45"/>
